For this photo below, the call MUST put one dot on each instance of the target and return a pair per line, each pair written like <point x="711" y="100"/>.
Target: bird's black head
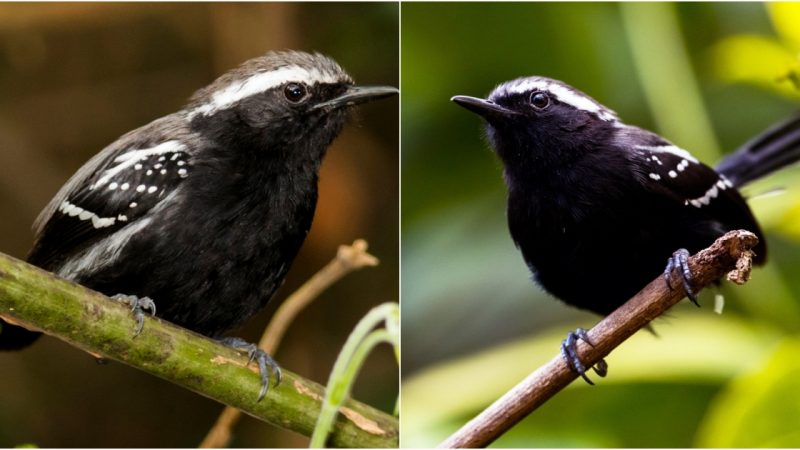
<point x="279" y="102"/>
<point x="538" y="122"/>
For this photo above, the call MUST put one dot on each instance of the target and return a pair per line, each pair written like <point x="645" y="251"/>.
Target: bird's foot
<point x="569" y="350"/>
<point x="266" y="365"/>
<point x="138" y="306"/>
<point x="680" y="259"/>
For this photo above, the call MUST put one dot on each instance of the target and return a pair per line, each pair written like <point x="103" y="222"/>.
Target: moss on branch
<point x="88" y="320"/>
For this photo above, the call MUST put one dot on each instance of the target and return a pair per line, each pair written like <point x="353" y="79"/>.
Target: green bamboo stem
<point x="88" y="320"/>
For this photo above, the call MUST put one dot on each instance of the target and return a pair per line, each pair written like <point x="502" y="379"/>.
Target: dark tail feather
<point x="774" y="149"/>
<point x="15" y="338"/>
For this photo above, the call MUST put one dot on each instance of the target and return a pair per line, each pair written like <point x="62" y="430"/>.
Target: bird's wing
<point x="115" y="188"/>
<point x="679" y="178"/>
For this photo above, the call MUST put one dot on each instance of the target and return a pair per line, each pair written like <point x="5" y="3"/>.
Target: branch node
<point x="355" y="256"/>
<point x="741" y="274"/>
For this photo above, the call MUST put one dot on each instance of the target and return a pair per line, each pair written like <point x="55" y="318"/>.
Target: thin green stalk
<point x="356" y="349"/>
<point x="666" y="74"/>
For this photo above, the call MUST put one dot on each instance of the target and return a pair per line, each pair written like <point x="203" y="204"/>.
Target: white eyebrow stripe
<point x="677" y="151"/>
<point x="564" y="95"/>
<point x="262" y="82"/>
<point x="130" y="158"/>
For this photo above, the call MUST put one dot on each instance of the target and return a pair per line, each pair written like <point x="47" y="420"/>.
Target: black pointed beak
<point x="355" y="95"/>
<point x="484" y="108"/>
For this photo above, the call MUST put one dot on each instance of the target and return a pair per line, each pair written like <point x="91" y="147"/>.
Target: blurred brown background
<point x="73" y="78"/>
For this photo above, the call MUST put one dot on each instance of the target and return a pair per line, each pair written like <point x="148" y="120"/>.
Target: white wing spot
<point x="677" y="151"/>
<point x="133" y="205"/>
<point x="102" y="222"/>
<point x="141" y="188"/>
<point x="726" y="181"/>
<point x="125" y="186"/>
<point x="129" y="159"/>
<point x="97" y="221"/>
<point x="655" y="176"/>
<point x="181" y="162"/>
<point x="673" y="174"/>
<point x="158" y="166"/>
<point x="163" y="171"/>
<point x="706" y="198"/>
<point x="182" y="173"/>
<point x="151" y="189"/>
<point x="113" y="186"/>
<point x="137" y="166"/>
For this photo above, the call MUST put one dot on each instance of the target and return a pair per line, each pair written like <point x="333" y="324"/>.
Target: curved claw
<point x="138" y="306"/>
<point x="267" y="367"/>
<point x="569" y="350"/>
<point x="680" y="259"/>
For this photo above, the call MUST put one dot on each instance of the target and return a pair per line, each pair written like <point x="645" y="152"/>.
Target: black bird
<point x="598" y="207"/>
<point x="204" y="210"/>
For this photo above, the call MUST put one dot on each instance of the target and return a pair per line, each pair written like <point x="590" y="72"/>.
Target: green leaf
<point x="760" y="409"/>
<point x="755" y="59"/>
<point x="786" y="17"/>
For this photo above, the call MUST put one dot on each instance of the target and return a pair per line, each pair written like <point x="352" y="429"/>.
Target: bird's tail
<point x="774" y="149"/>
<point x="13" y="337"/>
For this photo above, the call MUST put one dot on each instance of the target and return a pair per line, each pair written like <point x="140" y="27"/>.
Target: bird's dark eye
<point x="540" y="100"/>
<point x="294" y="92"/>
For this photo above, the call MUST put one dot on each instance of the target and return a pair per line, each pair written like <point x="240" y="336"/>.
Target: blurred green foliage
<point x="473" y="322"/>
<point x="767" y="61"/>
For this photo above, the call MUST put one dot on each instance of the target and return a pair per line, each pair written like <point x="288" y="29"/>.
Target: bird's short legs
<point x="569" y="350"/>
<point x="680" y="259"/>
<point x="138" y="306"/>
<point x="266" y="365"/>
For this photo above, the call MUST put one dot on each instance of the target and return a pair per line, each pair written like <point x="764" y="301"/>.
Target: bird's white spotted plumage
<point x="706" y="198"/>
<point x="98" y="222"/>
<point x="120" y="188"/>
<point x="671" y="149"/>
<point x="668" y="162"/>
<point x="136" y="159"/>
<point x="662" y="159"/>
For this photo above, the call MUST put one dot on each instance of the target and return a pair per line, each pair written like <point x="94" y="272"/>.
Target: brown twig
<point x="348" y="258"/>
<point x="729" y="254"/>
